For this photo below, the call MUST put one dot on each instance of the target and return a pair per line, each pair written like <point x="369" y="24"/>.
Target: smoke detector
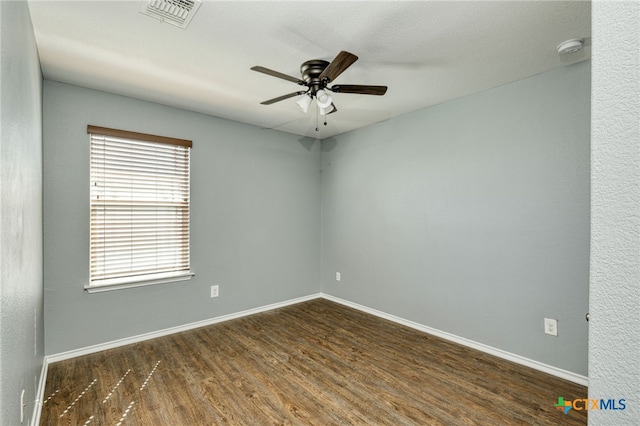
<point x="174" y="12"/>
<point x="570" y="46"/>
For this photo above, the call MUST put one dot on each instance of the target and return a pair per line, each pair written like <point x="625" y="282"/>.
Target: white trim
<point x="159" y="333"/>
<point x="131" y="282"/>
<point x="37" y="409"/>
<point x="536" y="365"/>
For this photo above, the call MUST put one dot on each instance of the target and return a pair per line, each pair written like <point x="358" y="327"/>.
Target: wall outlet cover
<point x="551" y="326"/>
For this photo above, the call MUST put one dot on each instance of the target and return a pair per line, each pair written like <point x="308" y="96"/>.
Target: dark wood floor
<point x="315" y="363"/>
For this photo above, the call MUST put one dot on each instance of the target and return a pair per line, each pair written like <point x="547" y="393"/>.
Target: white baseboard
<point x="159" y="333"/>
<point x="37" y="409"/>
<point x="549" y="369"/>
<point x="558" y="372"/>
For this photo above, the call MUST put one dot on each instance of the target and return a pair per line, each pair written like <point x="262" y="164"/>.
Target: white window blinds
<point x="139" y="207"/>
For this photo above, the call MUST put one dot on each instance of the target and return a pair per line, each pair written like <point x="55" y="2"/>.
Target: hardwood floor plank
<point x="314" y="363"/>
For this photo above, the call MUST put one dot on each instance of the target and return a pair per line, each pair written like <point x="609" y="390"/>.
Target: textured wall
<point x="614" y="298"/>
<point x="255" y="199"/>
<point x="470" y="217"/>
<point x="21" y="311"/>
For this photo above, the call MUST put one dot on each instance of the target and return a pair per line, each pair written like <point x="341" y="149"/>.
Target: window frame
<point x="138" y="280"/>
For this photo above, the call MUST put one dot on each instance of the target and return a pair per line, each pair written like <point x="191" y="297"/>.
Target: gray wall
<point x="613" y="366"/>
<point x="21" y="305"/>
<point x="470" y="217"/>
<point x="255" y="197"/>
<point x="614" y="335"/>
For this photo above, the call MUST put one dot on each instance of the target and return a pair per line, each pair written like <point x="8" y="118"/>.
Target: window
<point x="139" y="209"/>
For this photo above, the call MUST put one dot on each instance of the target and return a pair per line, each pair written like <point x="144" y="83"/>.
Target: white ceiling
<point x="426" y="52"/>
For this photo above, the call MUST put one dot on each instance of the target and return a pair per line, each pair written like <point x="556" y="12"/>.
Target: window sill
<point x="122" y="283"/>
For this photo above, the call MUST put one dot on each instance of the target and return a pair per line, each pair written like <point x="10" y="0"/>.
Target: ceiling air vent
<point x="174" y="12"/>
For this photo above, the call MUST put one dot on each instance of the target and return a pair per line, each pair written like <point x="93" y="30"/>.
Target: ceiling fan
<point x="316" y="76"/>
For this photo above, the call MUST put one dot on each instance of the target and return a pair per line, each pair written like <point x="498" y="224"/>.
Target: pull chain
<point x="318" y="118"/>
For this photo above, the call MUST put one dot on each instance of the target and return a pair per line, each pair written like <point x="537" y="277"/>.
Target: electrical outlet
<point x="551" y="326"/>
<point x="215" y="291"/>
<point x="337" y="276"/>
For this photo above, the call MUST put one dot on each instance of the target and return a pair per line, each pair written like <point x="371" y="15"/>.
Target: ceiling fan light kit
<point x="304" y="103"/>
<point x="328" y="110"/>
<point x="316" y="76"/>
<point x="323" y="98"/>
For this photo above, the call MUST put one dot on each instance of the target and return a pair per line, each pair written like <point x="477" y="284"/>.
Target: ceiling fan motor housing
<point x="311" y="71"/>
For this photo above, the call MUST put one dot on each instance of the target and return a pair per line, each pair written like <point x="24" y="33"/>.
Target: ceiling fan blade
<point x="278" y="74"/>
<point x="359" y="89"/>
<point x="334" y="108"/>
<point x="338" y="65"/>
<point x="283" y="97"/>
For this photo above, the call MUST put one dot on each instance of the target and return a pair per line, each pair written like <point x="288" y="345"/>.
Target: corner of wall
<point x="21" y="311"/>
